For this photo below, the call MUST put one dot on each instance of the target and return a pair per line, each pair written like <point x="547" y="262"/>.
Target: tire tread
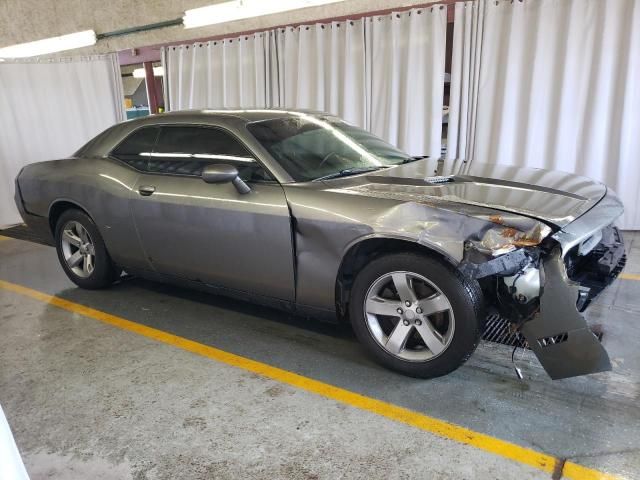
<point x="468" y="290"/>
<point x="105" y="272"/>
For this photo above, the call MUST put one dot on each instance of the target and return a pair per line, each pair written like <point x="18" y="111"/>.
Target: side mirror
<point x="222" y="173"/>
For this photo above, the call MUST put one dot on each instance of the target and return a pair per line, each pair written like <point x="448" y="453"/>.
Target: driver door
<point x="210" y="232"/>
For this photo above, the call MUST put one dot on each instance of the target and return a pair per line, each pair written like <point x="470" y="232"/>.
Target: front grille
<point x="554" y="340"/>
<point x="498" y="330"/>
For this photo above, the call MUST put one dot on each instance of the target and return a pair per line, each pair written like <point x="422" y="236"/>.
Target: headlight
<point x="501" y="240"/>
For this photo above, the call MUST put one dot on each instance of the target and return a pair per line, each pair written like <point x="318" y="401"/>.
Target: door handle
<point x="146" y="190"/>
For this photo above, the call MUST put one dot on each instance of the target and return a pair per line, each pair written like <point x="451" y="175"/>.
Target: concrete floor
<point x="88" y="400"/>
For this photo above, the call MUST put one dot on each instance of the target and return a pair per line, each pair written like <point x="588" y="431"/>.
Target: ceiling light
<point x="241" y="9"/>
<point x="50" y="45"/>
<point x="140" y="72"/>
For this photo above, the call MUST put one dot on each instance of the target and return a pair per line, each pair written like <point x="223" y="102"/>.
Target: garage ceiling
<point x="23" y="21"/>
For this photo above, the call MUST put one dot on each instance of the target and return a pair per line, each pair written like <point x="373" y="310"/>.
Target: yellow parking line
<point x="629" y="276"/>
<point x="2" y="237"/>
<point x="541" y="461"/>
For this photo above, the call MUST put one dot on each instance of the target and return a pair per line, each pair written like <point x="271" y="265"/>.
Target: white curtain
<point x="48" y="109"/>
<point x="322" y="67"/>
<point x="385" y="74"/>
<point x="555" y="86"/>
<point x="406" y="68"/>
<point x="465" y="64"/>
<point x="233" y="72"/>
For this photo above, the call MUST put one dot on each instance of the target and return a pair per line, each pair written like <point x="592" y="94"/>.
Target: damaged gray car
<point x="303" y="211"/>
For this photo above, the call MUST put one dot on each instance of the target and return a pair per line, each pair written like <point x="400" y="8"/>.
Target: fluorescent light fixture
<point x="241" y="9"/>
<point x="50" y="45"/>
<point x="140" y="72"/>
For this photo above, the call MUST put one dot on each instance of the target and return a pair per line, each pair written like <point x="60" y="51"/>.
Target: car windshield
<point x="321" y="147"/>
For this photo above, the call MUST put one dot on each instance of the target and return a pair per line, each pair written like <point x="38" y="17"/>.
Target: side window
<point x="187" y="150"/>
<point x="137" y="147"/>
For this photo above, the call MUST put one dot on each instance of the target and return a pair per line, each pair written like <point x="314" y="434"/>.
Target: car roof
<point x="232" y="118"/>
<point x="248" y="115"/>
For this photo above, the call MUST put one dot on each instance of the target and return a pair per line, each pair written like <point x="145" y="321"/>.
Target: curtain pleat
<point x="233" y="72"/>
<point x="407" y="78"/>
<point x="555" y="87"/>
<point x="48" y="109"/>
<point x="347" y="68"/>
<point x="323" y="68"/>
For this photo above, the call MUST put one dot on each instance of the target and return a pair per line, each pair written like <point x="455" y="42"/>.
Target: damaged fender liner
<point x="579" y="352"/>
<point x="508" y="263"/>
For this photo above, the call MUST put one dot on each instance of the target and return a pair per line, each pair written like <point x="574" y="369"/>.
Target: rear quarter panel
<point x="102" y="187"/>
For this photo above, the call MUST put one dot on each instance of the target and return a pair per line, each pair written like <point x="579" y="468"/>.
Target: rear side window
<point x="187" y="150"/>
<point x="137" y="147"/>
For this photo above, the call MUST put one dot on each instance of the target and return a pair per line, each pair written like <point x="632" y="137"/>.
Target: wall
<point x="26" y="20"/>
<point x="139" y="97"/>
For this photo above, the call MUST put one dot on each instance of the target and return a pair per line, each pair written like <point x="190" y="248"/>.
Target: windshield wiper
<point x="414" y="159"/>
<point x="349" y="171"/>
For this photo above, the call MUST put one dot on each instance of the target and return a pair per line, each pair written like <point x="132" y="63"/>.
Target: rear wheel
<point x="415" y="314"/>
<point x="82" y="252"/>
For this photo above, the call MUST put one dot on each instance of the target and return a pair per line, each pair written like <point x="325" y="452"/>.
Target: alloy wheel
<point x="78" y="249"/>
<point x="409" y="316"/>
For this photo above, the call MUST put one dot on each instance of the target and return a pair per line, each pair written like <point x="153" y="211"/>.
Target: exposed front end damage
<point x="558" y="333"/>
<point x="542" y="289"/>
<point x="540" y="250"/>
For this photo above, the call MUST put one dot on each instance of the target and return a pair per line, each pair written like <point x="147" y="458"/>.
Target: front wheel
<point x="416" y="315"/>
<point x="82" y="252"/>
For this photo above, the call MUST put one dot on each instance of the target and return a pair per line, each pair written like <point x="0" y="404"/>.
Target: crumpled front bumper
<point x="559" y="334"/>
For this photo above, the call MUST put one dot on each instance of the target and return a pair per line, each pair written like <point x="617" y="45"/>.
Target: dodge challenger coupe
<point x="303" y="211"/>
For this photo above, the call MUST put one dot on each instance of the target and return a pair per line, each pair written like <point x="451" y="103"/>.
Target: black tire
<point x="465" y="298"/>
<point x="105" y="272"/>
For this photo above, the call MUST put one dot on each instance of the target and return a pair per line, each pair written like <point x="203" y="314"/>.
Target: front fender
<point x="448" y="254"/>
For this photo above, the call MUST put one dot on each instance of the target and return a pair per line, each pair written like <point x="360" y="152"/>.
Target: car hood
<point x="554" y="197"/>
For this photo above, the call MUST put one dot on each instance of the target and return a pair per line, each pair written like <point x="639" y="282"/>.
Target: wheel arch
<point x="58" y="207"/>
<point x="363" y="250"/>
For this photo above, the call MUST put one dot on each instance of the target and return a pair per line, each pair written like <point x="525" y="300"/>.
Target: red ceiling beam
<point x="150" y="82"/>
